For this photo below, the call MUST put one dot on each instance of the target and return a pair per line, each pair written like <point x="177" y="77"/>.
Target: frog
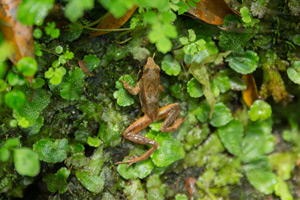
<point x="149" y="89"/>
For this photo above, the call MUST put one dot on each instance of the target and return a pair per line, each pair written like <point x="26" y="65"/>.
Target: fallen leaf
<point x="110" y="22"/>
<point x="211" y="11"/>
<point x="18" y="36"/>
<point x="250" y="94"/>
<point x="84" y="68"/>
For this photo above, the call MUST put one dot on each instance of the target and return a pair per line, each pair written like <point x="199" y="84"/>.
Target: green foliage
<point x="134" y="190"/>
<point x="231" y="136"/>
<point x="93" y="142"/>
<point x="246" y="17"/>
<point x="92" y="62"/>
<point x="183" y="6"/>
<point x="191" y="46"/>
<point x="72" y="87"/>
<point x="94" y="184"/>
<point x="139" y="170"/>
<point x="194" y="88"/>
<point x="181" y="197"/>
<point x="117" y="7"/>
<point x="59" y="49"/>
<point x="52" y="151"/>
<point x="170" y="150"/>
<point x="293" y="72"/>
<point x="243" y="62"/>
<point x="75" y="8"/>
<point x="156" y="190"/>
<point x="283" y="164"/>
<point x="260" y="110"/>
<point x="15" y="99"/>
<point x="55" y="76"/>
<point x="27" y="66"/>
<point x="109" y="134"/>
<point x="58" y="181"/>
<point x="122" y="96"/>
<point x="34" y="11"/>
<point x="281" y="189"/>
<point x="170" y="66"/>
<point x="37" y="33"/>
<point x="26" y="162"/>
<point x="221" y="115"/>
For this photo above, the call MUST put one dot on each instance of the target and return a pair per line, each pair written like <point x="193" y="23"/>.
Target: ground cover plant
<point x="233" y="66"/>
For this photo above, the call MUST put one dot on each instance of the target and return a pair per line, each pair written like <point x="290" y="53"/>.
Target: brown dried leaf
<point x="211" y="11"/>
<point x="110" y="22"/>
<point x="84" y="68"/>
<point x="250" y="94"/>
<point x="18" y="36"/>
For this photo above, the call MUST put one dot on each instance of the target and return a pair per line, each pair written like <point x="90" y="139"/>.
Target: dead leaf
<point x="18" y="36"/>
<point x="211" y="11"/>
<point x="110" y="22"/>
<point x="84" y="68"/>
<point x="250" y="94"/>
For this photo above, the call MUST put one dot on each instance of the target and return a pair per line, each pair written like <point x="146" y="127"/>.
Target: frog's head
<point x="151" y="65"/>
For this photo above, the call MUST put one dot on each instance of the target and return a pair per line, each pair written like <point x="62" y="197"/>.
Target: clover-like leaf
<point x="92" y="62"/>
<point x="139" y="170"/>
<point x="243" y="62"/>
<point x="26" y="162"/>
<point x="52" y="151"/>
<point x="134" y="190"/>
<point x="156" y="190"/>
<point x="221" y="115"/>
<point x="293" y="72"/>
<point x="170" y="66"/>
<point x="75" y="8"/>
<point x="4" y="154"/>
<point x="15" y="99"/>
<point x="109" y="134"/>
<point x="34" y="11"/>
<point x="122" y="96"/>
<point x="231" y="136"/>
<point x="170" y="150"/>
<point x="194" y="88"/>
<point x="260" y="110"/>
<point x="93" y="141"/>
<point x="72" y="88"/>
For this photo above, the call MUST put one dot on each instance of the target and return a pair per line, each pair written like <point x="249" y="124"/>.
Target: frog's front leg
<point x="131" y="134"/>
<point x="132" y="90"/>
<point x="170" y="113"/>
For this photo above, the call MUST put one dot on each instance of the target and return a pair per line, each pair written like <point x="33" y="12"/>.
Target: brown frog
<point x="149" y="89"/>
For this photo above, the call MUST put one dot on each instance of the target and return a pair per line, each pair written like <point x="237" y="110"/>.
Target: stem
<point x="100" y="29"/>
<point x="48" y="51"/>
<point x="98" y="20"/>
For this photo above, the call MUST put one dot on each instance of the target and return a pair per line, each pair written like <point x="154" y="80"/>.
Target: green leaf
<point x="296" y="39"/>
<point x="15" y="99"/>
<point x="156" y="190"/>
<point x="37" y="33"/>
<point x="92" y="62"/>
<point x="12" y="143"/>
<point x="222" y="81"/>
<point x="58" y="181"/>
<point x="34" y="11"/>
<point x="260" y="110"/>
<point x="257" y="141"/>
<point x="27" y="66"/>
<point x="245" y="13"/>
<point x="94" y="183"/>
<point x="293" y="72"/>
<point x="72" y="88"/>
<point x="4" y="154"/>
<point x="74" y="9"/>
<point x="221" y="115"/>
<point x="134" y="190"/>
<point x="283" y="163"/>
<point x="26" y="162"/>
<point x="93" y="142"/>
<point x="32" y="109"/>
<point x="243" y="62"/>
<point x="259" y="174"/>
<point x="231" y="136"/>
<point x="13" y="79"/>
<point x="117" y="7"/>
<point x="38" y="83"/>
<point x="170" y="66"/>
<point x="202" y="112"/>
<point x="52" y="151"/>
<point x="194" y="88"/>
<point x="59" y="49"/>
<point x="139" y="170"/>
<point x="181" y="197"/>
<point x="110" y="134"/>
<point x="282" y="190"/>
<point x="74" y="32"/>
<point x="169" y="151"/>
<point x="122" y="96"/>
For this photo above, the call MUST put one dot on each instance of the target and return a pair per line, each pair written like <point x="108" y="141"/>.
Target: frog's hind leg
<point x="131" y="133"/>
<point x="170" y="113"/>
